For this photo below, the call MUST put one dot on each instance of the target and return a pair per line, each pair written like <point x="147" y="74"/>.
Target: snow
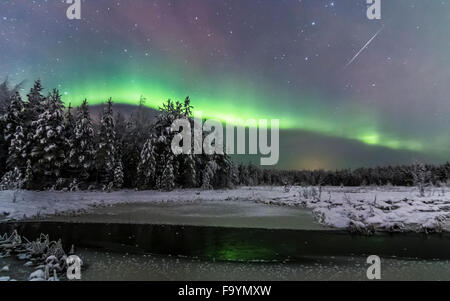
<point x="38" y="275"/>
<point x="355" y="208"/>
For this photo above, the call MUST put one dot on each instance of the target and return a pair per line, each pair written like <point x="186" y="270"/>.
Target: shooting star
<point x="364" y="47"/>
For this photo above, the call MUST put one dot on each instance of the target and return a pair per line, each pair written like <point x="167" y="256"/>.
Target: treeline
<point x="402" y="175"/>
<point x="44" y="145"/>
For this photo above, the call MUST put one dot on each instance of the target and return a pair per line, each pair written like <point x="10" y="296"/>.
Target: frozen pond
<point x="243" y="214"/>
<point x="121" y="266"/>
<point x="107" y="265"/>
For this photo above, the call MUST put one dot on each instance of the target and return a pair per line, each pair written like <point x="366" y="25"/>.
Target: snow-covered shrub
<point x="60" y="184"/>
<point x="310" y="193"/>
<point x="421" y="177"/>
<point x="49" y="256"/>
<point x="108" y="187"/>
<point x="12" y="180"/>
<point x="73" y="186"/>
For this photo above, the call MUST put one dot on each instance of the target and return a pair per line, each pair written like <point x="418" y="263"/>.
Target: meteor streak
<point x="364" y="47"/>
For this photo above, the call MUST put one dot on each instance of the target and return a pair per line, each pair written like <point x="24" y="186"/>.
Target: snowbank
<point x="357" y="209"/>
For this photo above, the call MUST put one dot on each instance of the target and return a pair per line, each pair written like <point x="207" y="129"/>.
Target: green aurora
<point x="254" y="60"/>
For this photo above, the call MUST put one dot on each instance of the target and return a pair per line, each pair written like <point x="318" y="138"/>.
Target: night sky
<point x="280" y="59"/>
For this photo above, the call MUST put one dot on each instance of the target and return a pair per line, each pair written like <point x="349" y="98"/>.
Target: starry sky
<point x="281" y="59"/>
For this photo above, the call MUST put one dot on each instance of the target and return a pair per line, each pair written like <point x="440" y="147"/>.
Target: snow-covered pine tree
<point x="106" y="152"/>
<point x="81" y="156"/>
<point x="147" y="166"/>
<point x="48" y="153"/>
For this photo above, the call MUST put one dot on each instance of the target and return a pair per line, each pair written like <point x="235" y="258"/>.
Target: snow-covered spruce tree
<point x="208" y="173"/>
<point x="69" y="122"/>
<point x="118" y="174"/>
<point x="137" y="130"/>
<point x="69" y="130"/>
<point x="28" y="177"/>
<point x="243" y="175"/>
<point x="162" y="142"/>
<point x="33" y="108"/>
<point x="9" y="121"/>
<point x="120" y="127"/>
<point x="6" y="93"/>
<point x="3" y="146"/>
<point x="106" y="152"/>
<point x="47" y="154"/>
<point x="14" y="134"/>
<point x="81" y="155"/>
<point x="188" y="171"/>
<point x="235" y="175"/>
<point x="183" y="166"/>
<point x="216" y="170"/>
<point x="17" y="152"/>
<point x="166" y="181"/>
<point x="34" y="105"/>
<point x="146" y="171"/>
<point x="223" y="176"/>
<point x="13" y="117"/>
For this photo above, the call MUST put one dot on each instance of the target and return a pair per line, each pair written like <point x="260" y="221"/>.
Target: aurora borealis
<point x="281" y="59"/>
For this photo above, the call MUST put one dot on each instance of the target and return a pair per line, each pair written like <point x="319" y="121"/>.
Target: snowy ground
<point x="360" y="209"/>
